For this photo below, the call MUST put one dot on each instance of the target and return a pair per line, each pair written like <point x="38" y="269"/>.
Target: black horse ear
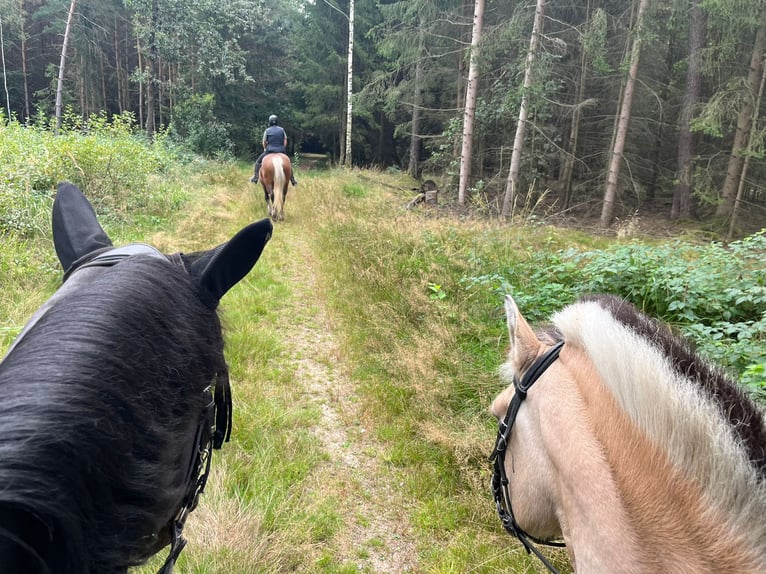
<point x="218" y="270"/>
<point x="76" y="231"/>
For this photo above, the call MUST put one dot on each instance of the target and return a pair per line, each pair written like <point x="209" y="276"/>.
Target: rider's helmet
<point x="273" y="120"/>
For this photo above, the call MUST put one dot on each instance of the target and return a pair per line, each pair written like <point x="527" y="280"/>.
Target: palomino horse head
<point x="642" y="456"/>
<point x="274" y="176"/>
<point x="114" y="395"/>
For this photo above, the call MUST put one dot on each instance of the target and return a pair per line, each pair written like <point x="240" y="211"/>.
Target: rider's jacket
<point x="274" y="136"/>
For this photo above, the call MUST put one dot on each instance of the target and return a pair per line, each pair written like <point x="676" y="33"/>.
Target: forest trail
<point x="374" y="530"/>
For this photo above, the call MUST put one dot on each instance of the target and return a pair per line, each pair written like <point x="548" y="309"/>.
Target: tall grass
<point x="413" y="302"/>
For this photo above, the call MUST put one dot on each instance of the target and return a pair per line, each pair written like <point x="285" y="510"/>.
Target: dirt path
<point x="374" y="533"/>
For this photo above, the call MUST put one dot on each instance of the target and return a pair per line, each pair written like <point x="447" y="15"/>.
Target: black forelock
<point x="743" y="414"/>
<point x="101" y="402"/>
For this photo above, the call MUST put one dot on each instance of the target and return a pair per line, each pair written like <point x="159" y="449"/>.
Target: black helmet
<point x="273" y="120"/>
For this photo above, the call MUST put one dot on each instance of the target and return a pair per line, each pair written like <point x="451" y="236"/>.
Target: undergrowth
<point x="416" y="299"/>
<point x="123" y="174"/>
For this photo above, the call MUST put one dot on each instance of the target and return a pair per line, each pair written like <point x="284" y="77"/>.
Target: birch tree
<point x="347" y="159"/>
<point x="613" y="175"/>
<point x="5" y="73"/>
<point x="471" y="92"/>
<point x="60" y="85"/>
<point x="512" y="183"/>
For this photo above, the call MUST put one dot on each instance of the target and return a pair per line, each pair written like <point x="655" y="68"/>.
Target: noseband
<point x="500" y="489"/>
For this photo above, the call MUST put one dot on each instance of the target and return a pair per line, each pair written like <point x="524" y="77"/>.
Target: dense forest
<point x="599" y="108"/>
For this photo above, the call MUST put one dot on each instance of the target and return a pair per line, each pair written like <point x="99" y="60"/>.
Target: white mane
<point x="674" y="411"/>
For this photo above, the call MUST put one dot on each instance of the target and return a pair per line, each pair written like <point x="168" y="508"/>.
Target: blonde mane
<point x="666" y="399"/>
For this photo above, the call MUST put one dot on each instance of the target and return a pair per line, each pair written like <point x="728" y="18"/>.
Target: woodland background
<point x="685" y="76"/>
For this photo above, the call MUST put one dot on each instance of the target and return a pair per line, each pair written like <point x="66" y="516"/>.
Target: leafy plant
<point x="714" y="294"/>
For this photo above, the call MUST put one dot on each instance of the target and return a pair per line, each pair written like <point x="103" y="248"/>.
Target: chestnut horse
<point x="113" y="396"/>
<point x="639" y="454"/>
<point x="274" y="176"/>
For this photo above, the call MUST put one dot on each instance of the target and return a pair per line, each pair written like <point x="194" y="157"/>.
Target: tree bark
<point x="748" y="156"/>
<point x="567" y="171"/>
<point x="613" y="175"/>
<point x="60" y="85"/>
<point x="417" y="104"/>
<point x="744" y="124"/>
<point x="511" y="184"/>
<point x="5" y="74"/>
<point x="24" y="71"/>
<point x="682" y="203"/>
<point x="347" y="159"/>
<point x="151" y="66"/>
<point x="140" y="85"/>
<point x="472" y="90"/>
<point x="465" y="12"/>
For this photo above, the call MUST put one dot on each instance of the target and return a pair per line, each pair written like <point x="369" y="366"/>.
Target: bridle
<point x="500" y="489"/>
<point x="215" y="423"/>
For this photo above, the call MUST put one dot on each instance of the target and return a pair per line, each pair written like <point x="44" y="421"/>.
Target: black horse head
<point x="112" y="397"/>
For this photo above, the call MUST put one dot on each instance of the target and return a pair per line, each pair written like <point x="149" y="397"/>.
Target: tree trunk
<point x="613" y="175"/>
<point x="472" y="89"/>
<point x="748" y="156"/>
<point x="744" y="124"/>
<point x="567" y="171"/>
<point x="682" y="203"/>
<point x="24" y="72"/>
<point x="665" y="82"/>
<point x="417" y="104"/>
<point x="140" y="86"/>
<point x="81" y="80"/>
<point x="151" y="66"/>
<point x="511" y="184"/>
<point x="347" y="159"/>
<point x="117" y="64"/>
<point x="5" y="74"/>
<point x="60" y="85"/>
<point x="465" y="11"/>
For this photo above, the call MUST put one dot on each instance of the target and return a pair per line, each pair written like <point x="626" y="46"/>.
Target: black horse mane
<point x="101" y="403"/>
<point x="744" y="416"/>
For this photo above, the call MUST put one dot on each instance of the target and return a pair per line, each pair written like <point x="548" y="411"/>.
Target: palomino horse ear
<point x="218" y="270"/>
<point x="522" y="338"/>
<point x="76" y="231"/>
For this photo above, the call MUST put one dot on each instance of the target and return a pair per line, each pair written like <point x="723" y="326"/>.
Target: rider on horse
<point x="274" y="141"/>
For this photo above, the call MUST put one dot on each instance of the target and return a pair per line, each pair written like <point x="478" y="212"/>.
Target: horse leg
<point x="284" y="197"/>
<point x="267" y="197"/>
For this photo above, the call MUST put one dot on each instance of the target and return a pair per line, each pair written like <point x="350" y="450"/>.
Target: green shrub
<point x="195" y="127"/>
<point x="110" y="159"/>
<point x="714" y="294"/>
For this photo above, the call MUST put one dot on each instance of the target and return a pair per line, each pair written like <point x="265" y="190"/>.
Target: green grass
<point x="422" y="360"/>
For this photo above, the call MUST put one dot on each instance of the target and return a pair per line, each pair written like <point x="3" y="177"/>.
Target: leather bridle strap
<point x="500" y="488"/>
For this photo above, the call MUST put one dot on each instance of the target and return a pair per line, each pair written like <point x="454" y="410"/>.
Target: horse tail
<point x="279" y="185"/>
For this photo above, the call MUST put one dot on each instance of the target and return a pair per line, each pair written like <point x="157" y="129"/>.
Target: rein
<point x="500" y="489"/>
